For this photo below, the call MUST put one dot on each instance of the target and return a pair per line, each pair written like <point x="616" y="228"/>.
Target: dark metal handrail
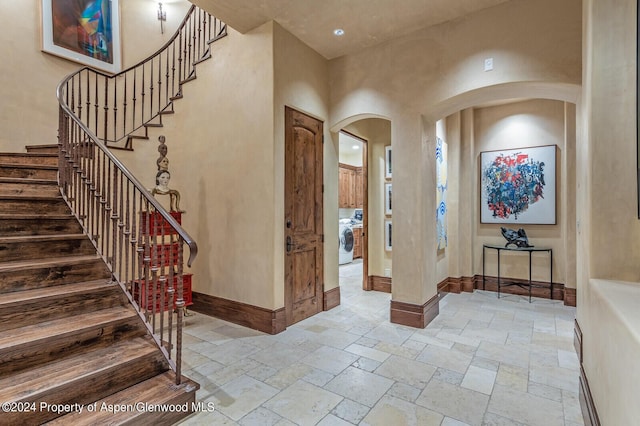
<point x="140" y="241"/>
<point x="113" y="107"/>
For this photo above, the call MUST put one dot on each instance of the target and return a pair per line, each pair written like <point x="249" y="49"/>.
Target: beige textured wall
<point x="519" y="125"/>
<point x="29" y="111"/>
<point x="302" y="82"/>
<point x="536" y="48"/>
<point x="222" y="159"/>
<point x="608" y="241"/>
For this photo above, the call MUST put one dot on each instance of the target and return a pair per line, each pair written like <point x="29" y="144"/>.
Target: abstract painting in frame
<point x="387" y="199"/>
<point x="387" y="235"/>
<point x="441" y="193"/>
<point x="518" y="186"/>
<point x="387" y="162"/>
<point x="83" y="31"/>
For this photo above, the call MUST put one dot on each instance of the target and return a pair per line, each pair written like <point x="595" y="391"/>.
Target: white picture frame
<point x="387" y="162"/>
<point x="387" y="235"/>
<point x="387" y="199"/>
<point x="63" y="23"/>
<point x="518" y="186"/>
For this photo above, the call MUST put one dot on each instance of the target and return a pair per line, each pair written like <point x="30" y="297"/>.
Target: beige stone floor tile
<point x="453" y="401"/>
<point x="330" y="359"/>
<point x="279" y="356"/>
<point x="331" y="420"/>
<point x="448" y="421"/>
<point x="503" y="354"/>
<point x="526" y="408"/>
<point x="479" y="379"/>
<point x="545" y="391"/>
<point x="289" y="375"/>
<point x="208" y="419"/>
<point x="572" y="409"/>
<point x="557" y="377"/>
<point x="491" y="419"/>
<point x="390" y="334"/>
<point x="260" y="416"/>
<point x="445" y="358"/>
<point x="350" y="411"/>
<point x="404" y="391"/>
<point x="370" y="353"/>
<point x="410" y="372"/>
<point x="303" y="403"/>
<point x="512" y="377"/>
<point x="241" y="396"/>
<point x="360" y="386"/>
<point x="405" y="350"/>
<point x="366" y="364"/>
<point x="393" y="411"/>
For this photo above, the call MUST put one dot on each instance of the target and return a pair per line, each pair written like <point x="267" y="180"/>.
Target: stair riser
<point x="43" y="207"/>
<point x="39" y="351"/>
<point x="29" y="189"/>
<point x="13" y="316"/>
<point x="32" y="173"/>
<point x="45" y="249"/>
<point x="42" y="149"/>
<point x="16" y="227"/>
<point x="85" y="390"/>
<point x="39" y="277"/>
<point x="47" y="160"/>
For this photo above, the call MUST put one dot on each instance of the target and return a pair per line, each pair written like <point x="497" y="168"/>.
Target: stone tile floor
<point x="482" y="361"/>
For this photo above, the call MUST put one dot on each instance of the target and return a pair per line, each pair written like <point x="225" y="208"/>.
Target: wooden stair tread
<point x="26" y="216"/>
<point x="29" y="181"/>
<point x="160" y="389"/>
<point x="59" y="372"/>
<point x="31" y="197"/>
<point x="51" y="145"/>
<point x="61" y="327"/>
<point x="29" y="166"/>
<point x="41" y="238"/>
<point x="54" y="291"/>
<point x="49" y="262"/>
<point x="29" y="154"/>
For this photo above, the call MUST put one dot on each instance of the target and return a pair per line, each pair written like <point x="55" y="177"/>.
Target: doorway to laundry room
<point x="352" y="212"/>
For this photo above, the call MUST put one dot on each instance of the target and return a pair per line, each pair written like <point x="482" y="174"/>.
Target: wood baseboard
<point x="588" y="407"/>
<point x="418" y="316"/>
<point x="331" y="298"/>
<point x="589" y="413"/>
<point x="379" y="283"/>
<point x="570" y="297"/>
<point x="577" y="339"/>
<point x="447" y="286"/>
<point x="265" y="320"/>
<point x="491" y="284"/>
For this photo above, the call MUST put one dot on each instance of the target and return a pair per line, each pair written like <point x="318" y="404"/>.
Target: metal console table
<point x="529" y="284"/>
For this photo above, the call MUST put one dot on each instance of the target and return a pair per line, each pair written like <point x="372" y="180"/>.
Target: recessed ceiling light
<point x="355" y="147"/>
<point x="338" y="31"/>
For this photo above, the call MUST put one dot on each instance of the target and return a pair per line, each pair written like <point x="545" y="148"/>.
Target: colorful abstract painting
<point x="85" y="31"/>
<point x="518" y="186"/>
<point x="441" y="193"/>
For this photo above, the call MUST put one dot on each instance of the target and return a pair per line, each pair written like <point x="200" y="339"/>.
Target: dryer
<point x="345" y="240"/>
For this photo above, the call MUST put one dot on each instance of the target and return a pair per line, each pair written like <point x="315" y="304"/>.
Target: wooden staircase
<point x="68" y="334"/>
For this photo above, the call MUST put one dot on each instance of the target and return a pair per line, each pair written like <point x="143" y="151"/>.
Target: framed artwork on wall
<point x="441" y="193"/>
<point x="387" y="199"/>
<point x="387" y="162"/>
<point x="387" y="235"/>
<point x="518" y="185"/>
<point x="83" y="31"/>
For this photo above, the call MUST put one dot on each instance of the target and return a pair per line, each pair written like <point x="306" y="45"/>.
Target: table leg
<point x="530" y="276"/>
<point x="498" y="273"/>
<point x="483" y="249"/>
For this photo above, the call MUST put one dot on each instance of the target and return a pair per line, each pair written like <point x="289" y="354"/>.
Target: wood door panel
<point x="303" y="216"/>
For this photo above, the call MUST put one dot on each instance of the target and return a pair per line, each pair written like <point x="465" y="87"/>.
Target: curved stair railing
<point x="115" y="107"/>
<point x="141" y="242"/>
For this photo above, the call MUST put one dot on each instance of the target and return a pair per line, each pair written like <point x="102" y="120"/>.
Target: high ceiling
<point x="365" y="22"/>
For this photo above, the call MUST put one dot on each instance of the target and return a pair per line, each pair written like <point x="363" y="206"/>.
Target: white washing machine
<point x="345" y="238"/>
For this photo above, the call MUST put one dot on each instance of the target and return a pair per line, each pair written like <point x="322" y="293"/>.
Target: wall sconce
<point x="162" y="16"/>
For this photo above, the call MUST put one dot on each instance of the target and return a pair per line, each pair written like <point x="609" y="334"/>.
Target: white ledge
<point x="623" y="299"/>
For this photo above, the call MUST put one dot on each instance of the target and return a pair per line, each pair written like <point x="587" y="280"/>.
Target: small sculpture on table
<point x="517" y="238"/>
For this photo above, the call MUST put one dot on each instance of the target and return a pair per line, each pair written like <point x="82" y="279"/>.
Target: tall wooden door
<point x="303" y="216"/>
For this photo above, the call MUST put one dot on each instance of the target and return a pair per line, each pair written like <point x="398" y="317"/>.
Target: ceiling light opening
<point x="339" y="32"/>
